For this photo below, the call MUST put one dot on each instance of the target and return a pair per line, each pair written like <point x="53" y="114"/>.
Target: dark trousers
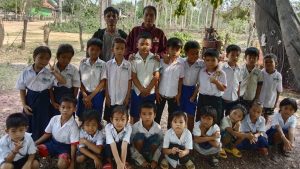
<point x="172" y="107"/>
<point x="228" y="105"/>
<point x="176" y="157"/>
<point x="207" y="100"/>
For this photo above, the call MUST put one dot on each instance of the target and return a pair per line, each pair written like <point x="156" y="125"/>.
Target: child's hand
<point x="18" y="146"/>
<point x="154" y="164"/>
<point x="131" y="57"/>
<point x="97" y="163"/>
<point x="145" y="92"/>
<point x="177" y="98"/>
<point x="52" y="67"/>
<point x="107" y="101"/>
<point x="145" y="164"/>
<point x="192" y="99"/>
<point x="213" y="80"/>
<point x="174" y="150"/>
<point x="182" y="153"/>
<point x="120" y="165"/>
<point x="287" y="146"/>
<point x="126" y="101"/>
<point x="216" y="135"/>
<point x="55" y="105"/>
<point x="87" y="101"/>
<point x="82" y="141"/>
<point x="158" y="97"/>
<point x="27" y="110"/>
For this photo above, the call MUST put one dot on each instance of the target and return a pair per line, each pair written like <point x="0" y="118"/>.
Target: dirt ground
<point x="13" y="60"/>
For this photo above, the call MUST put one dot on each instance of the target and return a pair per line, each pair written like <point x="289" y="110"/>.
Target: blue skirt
<point x="59" y="92"/>
<point x="185" y="104"/>
<point x="97" y="102"/>
<point x="56" y="148"/>
<point x="137" y="100"/>
<point x="39" y="102"/>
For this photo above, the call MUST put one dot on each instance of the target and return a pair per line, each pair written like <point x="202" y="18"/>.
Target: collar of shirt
<point x="227" y="66"/>
<point x="87" y="61"/>
<point x="147" y="29"/>
<point x="115" y="62"/>
<point x="248" y="119"/>
<point x="68" y="67"/>
<point x="271" y="74"/>
<point x="90" y="136"/>
<point x="150" y="56"/>
<point x="30" y="68"/>
<point x="182" y="137"/>
<point x="69" y="122"/>
<point x="141" y="125"/>
<point x="115" y="131"/>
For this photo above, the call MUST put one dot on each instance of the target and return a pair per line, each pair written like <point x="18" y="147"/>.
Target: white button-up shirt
<point x="112" y="136"/>
<point x="97" y="139"/>
<point x="185" y="140"/>
<point x="191" y="72"/>
<point x="29" y="79"/>
<point x="91" y="75"/>
<point x="170" y="74"/>
<point x="272" y="84"/>
<point x="117" y="80"/>
<point x="7" y="146"/>
<point x="233" y="75"/>
<point x="67" y="134"/>
<point x="212" y="130"/>
<point x="144" y="70"/>
<point x="71" y="75"/>
<point x="208" y="88"/>
<point x="291" y="122"/>
<point x="248" y="126"/>
<point x="249" y="82"/>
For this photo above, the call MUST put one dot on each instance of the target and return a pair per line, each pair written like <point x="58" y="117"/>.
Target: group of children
<point x="198" y="92"/>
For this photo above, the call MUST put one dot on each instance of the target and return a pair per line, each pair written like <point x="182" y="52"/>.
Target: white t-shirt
<point x="233" y="75"/>
<point x="291" y="122"/>
<point x="191" y="72"/>
<point x="113" y="136"/>
<point x="97" y="139"/>
<point x="212" y="130"/>
<point x="71" y="75"/>
<point x="248" y="126"/>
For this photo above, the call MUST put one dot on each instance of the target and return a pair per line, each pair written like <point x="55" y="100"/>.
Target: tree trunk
<point x="47" y="31"/>
<point x="80" y="37"/>
<point x="270" y="38"/>
<point x="171" y="14"/>
<point x="24" y="34"/>
<point x="2" y="33"/>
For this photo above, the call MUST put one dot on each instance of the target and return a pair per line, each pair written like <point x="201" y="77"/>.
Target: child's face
<point x="192" y="55"/>
<point x="236" y="115"/>
<point x="269" y="64"/>
<point x="42" y="60"/>
<point x="255" y="112"/>
<point x="174" y="51"/>
<point x="211" y="62"/>
<point x="90" y="126"/>
<point x="178" y="124"/>
<point x="149" y="17"/>
<point x="287" y="111"/>
<point x="251" y="60"/>
<point x="94" y="52"/>
<point x="144" y="45"/>
<point x="64" y="59"/>
<point x="16" y="133"/>
<point x="119" y="120"/>
<point x="67" y="109"/>
<point x="147" y="116"/>
<point x="111" y="19"/>
<point x="233" y="56"/>
<point x="207" y="121"/>
<point x="119" y="50"/>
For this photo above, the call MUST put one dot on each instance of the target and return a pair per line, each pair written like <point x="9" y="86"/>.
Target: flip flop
<point x="234" y="151"/>
<point x="223" y="154"/>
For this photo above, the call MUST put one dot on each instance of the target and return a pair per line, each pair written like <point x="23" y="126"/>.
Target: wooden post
<point x="2" y="33"/>
<point x="80" y="37"/>
<point x="47" y="31"/>
<point x="24" y="33"/>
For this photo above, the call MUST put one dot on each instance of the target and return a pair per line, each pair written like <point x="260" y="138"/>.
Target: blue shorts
<point x="271" y="133"/>
<point x="136" y="101"/>
<point x="185" y="104"/>
<point x="262" y="142"/>
<point x="205" y="145"/>
<point x="56" y="148"/>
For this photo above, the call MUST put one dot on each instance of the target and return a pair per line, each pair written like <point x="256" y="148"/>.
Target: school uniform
<point x="72" y="77"/>
<point x="117" y="81"/>
<point x="97" y="139"/>
<point x="250" y="81"/>
<point x="144" y="71"/>
<point x="248" y="126"/>
<point x="191" y="73"/>
<point x="112" y="136"/>
<point x="91" y="75"/>
<point x="231" y="95"/>
<point x="37" y="87"/>
<point x="206" y="148"/>
<point x="209" y="94"/>
<point x="63" y="136"/>
<point x="271" y="86"/>
<point x="291" y="122"/>
<point x="184" y="142"/>
<point x="7" y="146"/>
<point x="151" y="137"/>
<point x="170" y="74"/>
<point x="225" y="135"/>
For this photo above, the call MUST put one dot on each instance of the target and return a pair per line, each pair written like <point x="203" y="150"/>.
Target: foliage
<point x="184" y="36"/>
<point x="19" y="5"/>
<point x="237" y="12"/>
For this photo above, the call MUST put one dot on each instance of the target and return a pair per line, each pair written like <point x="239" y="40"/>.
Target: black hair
<point x="94" y="41"/>
<point x="232" y="47"/>
<point x="68" y="98"/>
<point x="211" y="52"/>
<point x="241" y="108"/>
<point x="174" y="42"/>
<point x="89" y="115"/>
<point x="151" y="8"/>
<point x="16" y="120"/>
<point x="111" y="9"/>
<point x="41" y="49"/>
<point x="119" y="40"/>
<point x="191" y="45"/>
<point x="145" y="35"/>
<point x="252" y="51"/>
<point x="148" y="105"/>
<point x="209" y="111"/>
<point x="289" y="102"/>
<point x="179" y="114"/>
<point x="119" y="109"/>
<point x="271" y="56"/>
<point x="64" y="48"/>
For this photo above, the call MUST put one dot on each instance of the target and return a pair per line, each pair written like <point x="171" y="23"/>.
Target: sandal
<point x="164" y="164"/>
<point x="234" y="151"/>
<point x="190" y="165"/>
<point x="223" y="154"/>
